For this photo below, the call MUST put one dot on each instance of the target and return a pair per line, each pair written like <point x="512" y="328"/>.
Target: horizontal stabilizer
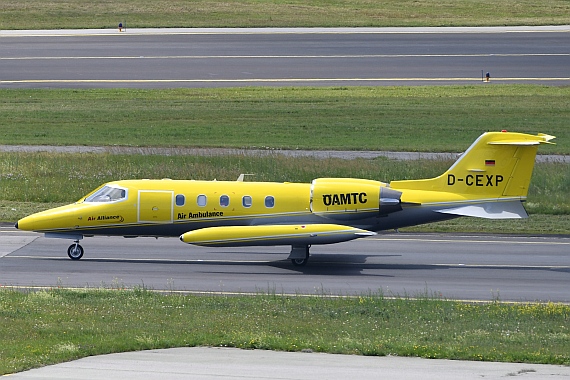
<point x="490" y="210"/>
<point x="525" y="140"/>
<point x="241" y="236"/>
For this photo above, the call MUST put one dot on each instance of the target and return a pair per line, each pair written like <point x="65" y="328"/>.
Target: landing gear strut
<point x="75" y="251"/>
<point x="299" y="255"/>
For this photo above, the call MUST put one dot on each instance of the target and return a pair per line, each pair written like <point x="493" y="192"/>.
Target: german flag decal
<point x="489" y="162"/>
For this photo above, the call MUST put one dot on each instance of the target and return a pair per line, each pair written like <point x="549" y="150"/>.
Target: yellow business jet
<point x="489" y="180"/>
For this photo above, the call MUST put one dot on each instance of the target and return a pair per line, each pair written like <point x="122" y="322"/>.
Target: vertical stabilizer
<point x="498" y="165"/>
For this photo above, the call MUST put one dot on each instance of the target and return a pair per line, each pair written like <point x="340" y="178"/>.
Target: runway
<point x="167" y="58"/>
<point x="404" y="265"/>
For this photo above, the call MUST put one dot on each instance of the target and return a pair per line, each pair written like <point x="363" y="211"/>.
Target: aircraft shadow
<point x="319" y="264"/>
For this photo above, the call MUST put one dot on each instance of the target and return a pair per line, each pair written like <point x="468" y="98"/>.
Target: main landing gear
<point x="299" y="255"/>
<point x="75" y="251"/>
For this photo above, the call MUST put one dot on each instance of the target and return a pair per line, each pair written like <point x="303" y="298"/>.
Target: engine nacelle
<point x="349" y="198"/>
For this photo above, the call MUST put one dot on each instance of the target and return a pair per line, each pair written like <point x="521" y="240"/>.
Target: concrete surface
<point x="205" y="363"/>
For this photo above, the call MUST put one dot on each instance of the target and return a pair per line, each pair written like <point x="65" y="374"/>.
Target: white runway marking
<point x="269" y="80"/>
<point x="289" y="56"/>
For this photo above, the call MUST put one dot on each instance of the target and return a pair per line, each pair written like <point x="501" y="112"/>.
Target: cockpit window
<point x="108" y="194"/>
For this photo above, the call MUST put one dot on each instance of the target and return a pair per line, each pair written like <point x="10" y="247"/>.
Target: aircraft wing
<point x="299" y="234"/>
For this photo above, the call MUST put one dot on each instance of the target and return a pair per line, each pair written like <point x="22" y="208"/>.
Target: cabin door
<point x="155" y="206"/>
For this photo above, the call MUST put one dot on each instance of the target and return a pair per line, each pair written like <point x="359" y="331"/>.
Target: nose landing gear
<point x="75" y="251"/>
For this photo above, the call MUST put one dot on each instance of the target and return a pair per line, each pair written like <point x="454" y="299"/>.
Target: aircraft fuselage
<point x="490" y="180"/>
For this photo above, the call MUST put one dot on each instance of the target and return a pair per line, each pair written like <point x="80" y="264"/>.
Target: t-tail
<point x="490" y="180"/>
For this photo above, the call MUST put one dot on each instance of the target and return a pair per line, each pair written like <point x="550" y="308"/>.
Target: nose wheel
<point x="75" y="251"/>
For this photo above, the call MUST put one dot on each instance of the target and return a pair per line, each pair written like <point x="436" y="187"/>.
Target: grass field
<point x="39" y="328"/>
<point x="447" y="118"/>
<point x="64" y="14"/>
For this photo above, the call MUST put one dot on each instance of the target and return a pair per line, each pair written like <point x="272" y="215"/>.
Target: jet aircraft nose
<point x="58" y="218"/>
<point x="23" y="224"/>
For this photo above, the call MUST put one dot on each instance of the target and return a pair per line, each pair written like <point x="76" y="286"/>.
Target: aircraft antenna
<point x="242" y="176"/>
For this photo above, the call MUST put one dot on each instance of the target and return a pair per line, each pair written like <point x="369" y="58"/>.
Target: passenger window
<point x="246" y="201"/>
<point x="269" y="201"/>
<point x="224" y="201"/>
<point x="202" y="200"/>
<point x="180" y="200"/>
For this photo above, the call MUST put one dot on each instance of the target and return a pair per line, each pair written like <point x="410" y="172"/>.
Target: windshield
<point x="108" y="194"/>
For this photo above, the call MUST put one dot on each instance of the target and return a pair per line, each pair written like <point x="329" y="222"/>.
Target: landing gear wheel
<point x="299" y="255"/>
<point x="299" y="262"/>
<point x="75" y="251"/>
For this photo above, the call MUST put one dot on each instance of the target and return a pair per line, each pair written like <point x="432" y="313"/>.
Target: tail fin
<point x="497" y="166"/>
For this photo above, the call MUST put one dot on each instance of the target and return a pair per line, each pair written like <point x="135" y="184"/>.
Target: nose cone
<point x="28" y="223"/>
<point x="60" y="218"/>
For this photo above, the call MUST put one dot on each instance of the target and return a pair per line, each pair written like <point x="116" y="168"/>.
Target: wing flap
<point x="306" y="234"/>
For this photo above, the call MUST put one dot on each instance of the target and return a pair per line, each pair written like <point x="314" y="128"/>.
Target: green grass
<point x="45" y="327"/>
<point x="62" y="14"/>
<point x="536" y="224"/>
<point x="447" y="118"/>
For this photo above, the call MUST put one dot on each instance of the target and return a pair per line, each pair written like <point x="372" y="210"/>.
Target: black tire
<point x="75" y="251"/>
<point x="299" y="262"/>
